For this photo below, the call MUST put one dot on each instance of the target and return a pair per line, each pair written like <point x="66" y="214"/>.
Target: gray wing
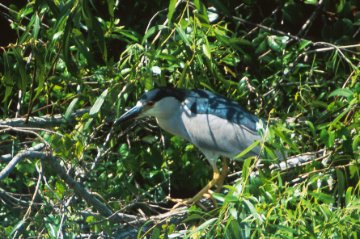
<point x="218" y="126"/>
<point x="205" y="102"/>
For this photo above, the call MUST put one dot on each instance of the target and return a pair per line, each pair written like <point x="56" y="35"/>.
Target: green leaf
<point x="246" y="169"/>
<point x="248" y="149"/>
<point x="326" y="198"/>
<point x="237" y="230"/>
<point x="277" y="43"/>
<point x="70" y="108"/>
<point x="312" y="2"/>
<point x="70" y="64"/>
<point x="171" y="10"/>
<point x="251" y="208"/>
<point x="90" y="219"/>
<point x="341" y="92"/>
<point x="8" y="80"/>
<point x="41" y="71"/>
<point x="280" y="131"/>
<point x="348" y="196"/>
<point x="36" y="26"/>
<point x="304" y="43"/>
<point x="311" y="126"/>
<point x="60" y="189"/>
<point x="197" y="4"/>
<point x="182" y="35"/>
<point x="98" y="103"/>
<point x="126" y="35"/>
<point x="111" y="7"/>
<point x="231" y="198"/>
<point x="218" y="196"/>
<point x="331" y="139"/>
<point x="234" y="213"/>
<point x="356" y="142"/>
<point x="206" y="50"/>
<point x="340" y="183"/>
<point x="205" y="225"/>
<point x="57" y="35"/>
<point x="155" y="233"/>
<point x="152" y="31"/>
<point x="21" y="66"/>
<point x="85" y="52"/>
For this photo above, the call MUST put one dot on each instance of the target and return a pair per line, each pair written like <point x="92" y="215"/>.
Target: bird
<point x="216" y="125"/>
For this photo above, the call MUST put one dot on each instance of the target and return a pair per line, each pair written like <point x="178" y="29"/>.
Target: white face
<point x="162" y="108"/>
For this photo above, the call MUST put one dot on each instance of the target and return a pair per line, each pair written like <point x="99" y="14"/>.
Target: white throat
<point x="167" y="112"/>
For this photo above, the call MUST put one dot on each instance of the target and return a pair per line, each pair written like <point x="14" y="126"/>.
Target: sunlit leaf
<point x="172" y="4"/>
<point x="341" y="92"/>
<point x="70" y="108"/>
<point x="98" y="103"/>
<point x="36" y="26"/>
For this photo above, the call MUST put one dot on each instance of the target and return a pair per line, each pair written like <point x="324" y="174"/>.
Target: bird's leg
<point x="204" y="190"/>
<point x="224" y="172"/>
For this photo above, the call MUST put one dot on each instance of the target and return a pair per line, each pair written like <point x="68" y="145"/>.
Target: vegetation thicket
<point x="76" y="65"/>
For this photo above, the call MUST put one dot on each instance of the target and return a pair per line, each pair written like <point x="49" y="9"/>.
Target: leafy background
<point x="295" y="63"/>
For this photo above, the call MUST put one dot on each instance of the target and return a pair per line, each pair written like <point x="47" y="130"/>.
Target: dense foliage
<point x="295" y="63"/>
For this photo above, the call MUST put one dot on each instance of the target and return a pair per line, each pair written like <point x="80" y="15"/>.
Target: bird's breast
<point x="174" y="125"/>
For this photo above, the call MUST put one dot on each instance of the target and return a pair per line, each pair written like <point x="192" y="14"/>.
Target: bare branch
<point x="266" y="28"/>
<point x="9" y="198"/>
<point x="289" y="163"/>
<point x="43" y="121"/>
<point x="79" y="190"/>
<point x="299" y="160"/>
<point x="84" y="193"/>
<point x="30" y="153"/>
<point x="311" y="19"/>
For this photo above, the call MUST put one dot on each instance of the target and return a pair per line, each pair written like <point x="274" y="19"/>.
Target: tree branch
<point x="79" y="190"/>
<point x="299" y="160"/>
<point x="42" y="121"/>
<point x="311" y="19"/>
<point x="289" y="163"/>
<point x="29" y="153"/>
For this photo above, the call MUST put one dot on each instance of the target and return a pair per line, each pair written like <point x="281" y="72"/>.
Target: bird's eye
<point x="150" y="103"/>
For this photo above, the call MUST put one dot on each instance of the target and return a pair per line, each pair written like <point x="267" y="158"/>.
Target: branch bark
<point x="82" y="192"/>
<point x="29" y="153"/>
<point x="79" y="190"/>
<point x="126" y="220"/>
<point x="43" y="121"/>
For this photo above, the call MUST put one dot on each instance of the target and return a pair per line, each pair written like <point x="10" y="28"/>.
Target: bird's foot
<point x="189" y="201"/>
<point x="179" y="202"/>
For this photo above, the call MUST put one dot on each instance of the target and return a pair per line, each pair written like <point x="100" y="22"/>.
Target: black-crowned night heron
<point x="216" y="125"/>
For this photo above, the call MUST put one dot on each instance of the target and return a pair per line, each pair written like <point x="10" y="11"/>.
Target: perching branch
<point x="129" y="223"/>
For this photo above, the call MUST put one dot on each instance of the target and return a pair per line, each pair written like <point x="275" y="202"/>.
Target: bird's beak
<point x="133" y="113"/>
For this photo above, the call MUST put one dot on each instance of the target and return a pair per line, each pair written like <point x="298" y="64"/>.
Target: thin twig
<point x="11" y="199"/>
<point x="269" y="29"/>
<point x="305" y="28"/>
<point x="15" y="12"/>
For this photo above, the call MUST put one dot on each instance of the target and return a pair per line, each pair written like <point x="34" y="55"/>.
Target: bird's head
<point x="159" y="102"/>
